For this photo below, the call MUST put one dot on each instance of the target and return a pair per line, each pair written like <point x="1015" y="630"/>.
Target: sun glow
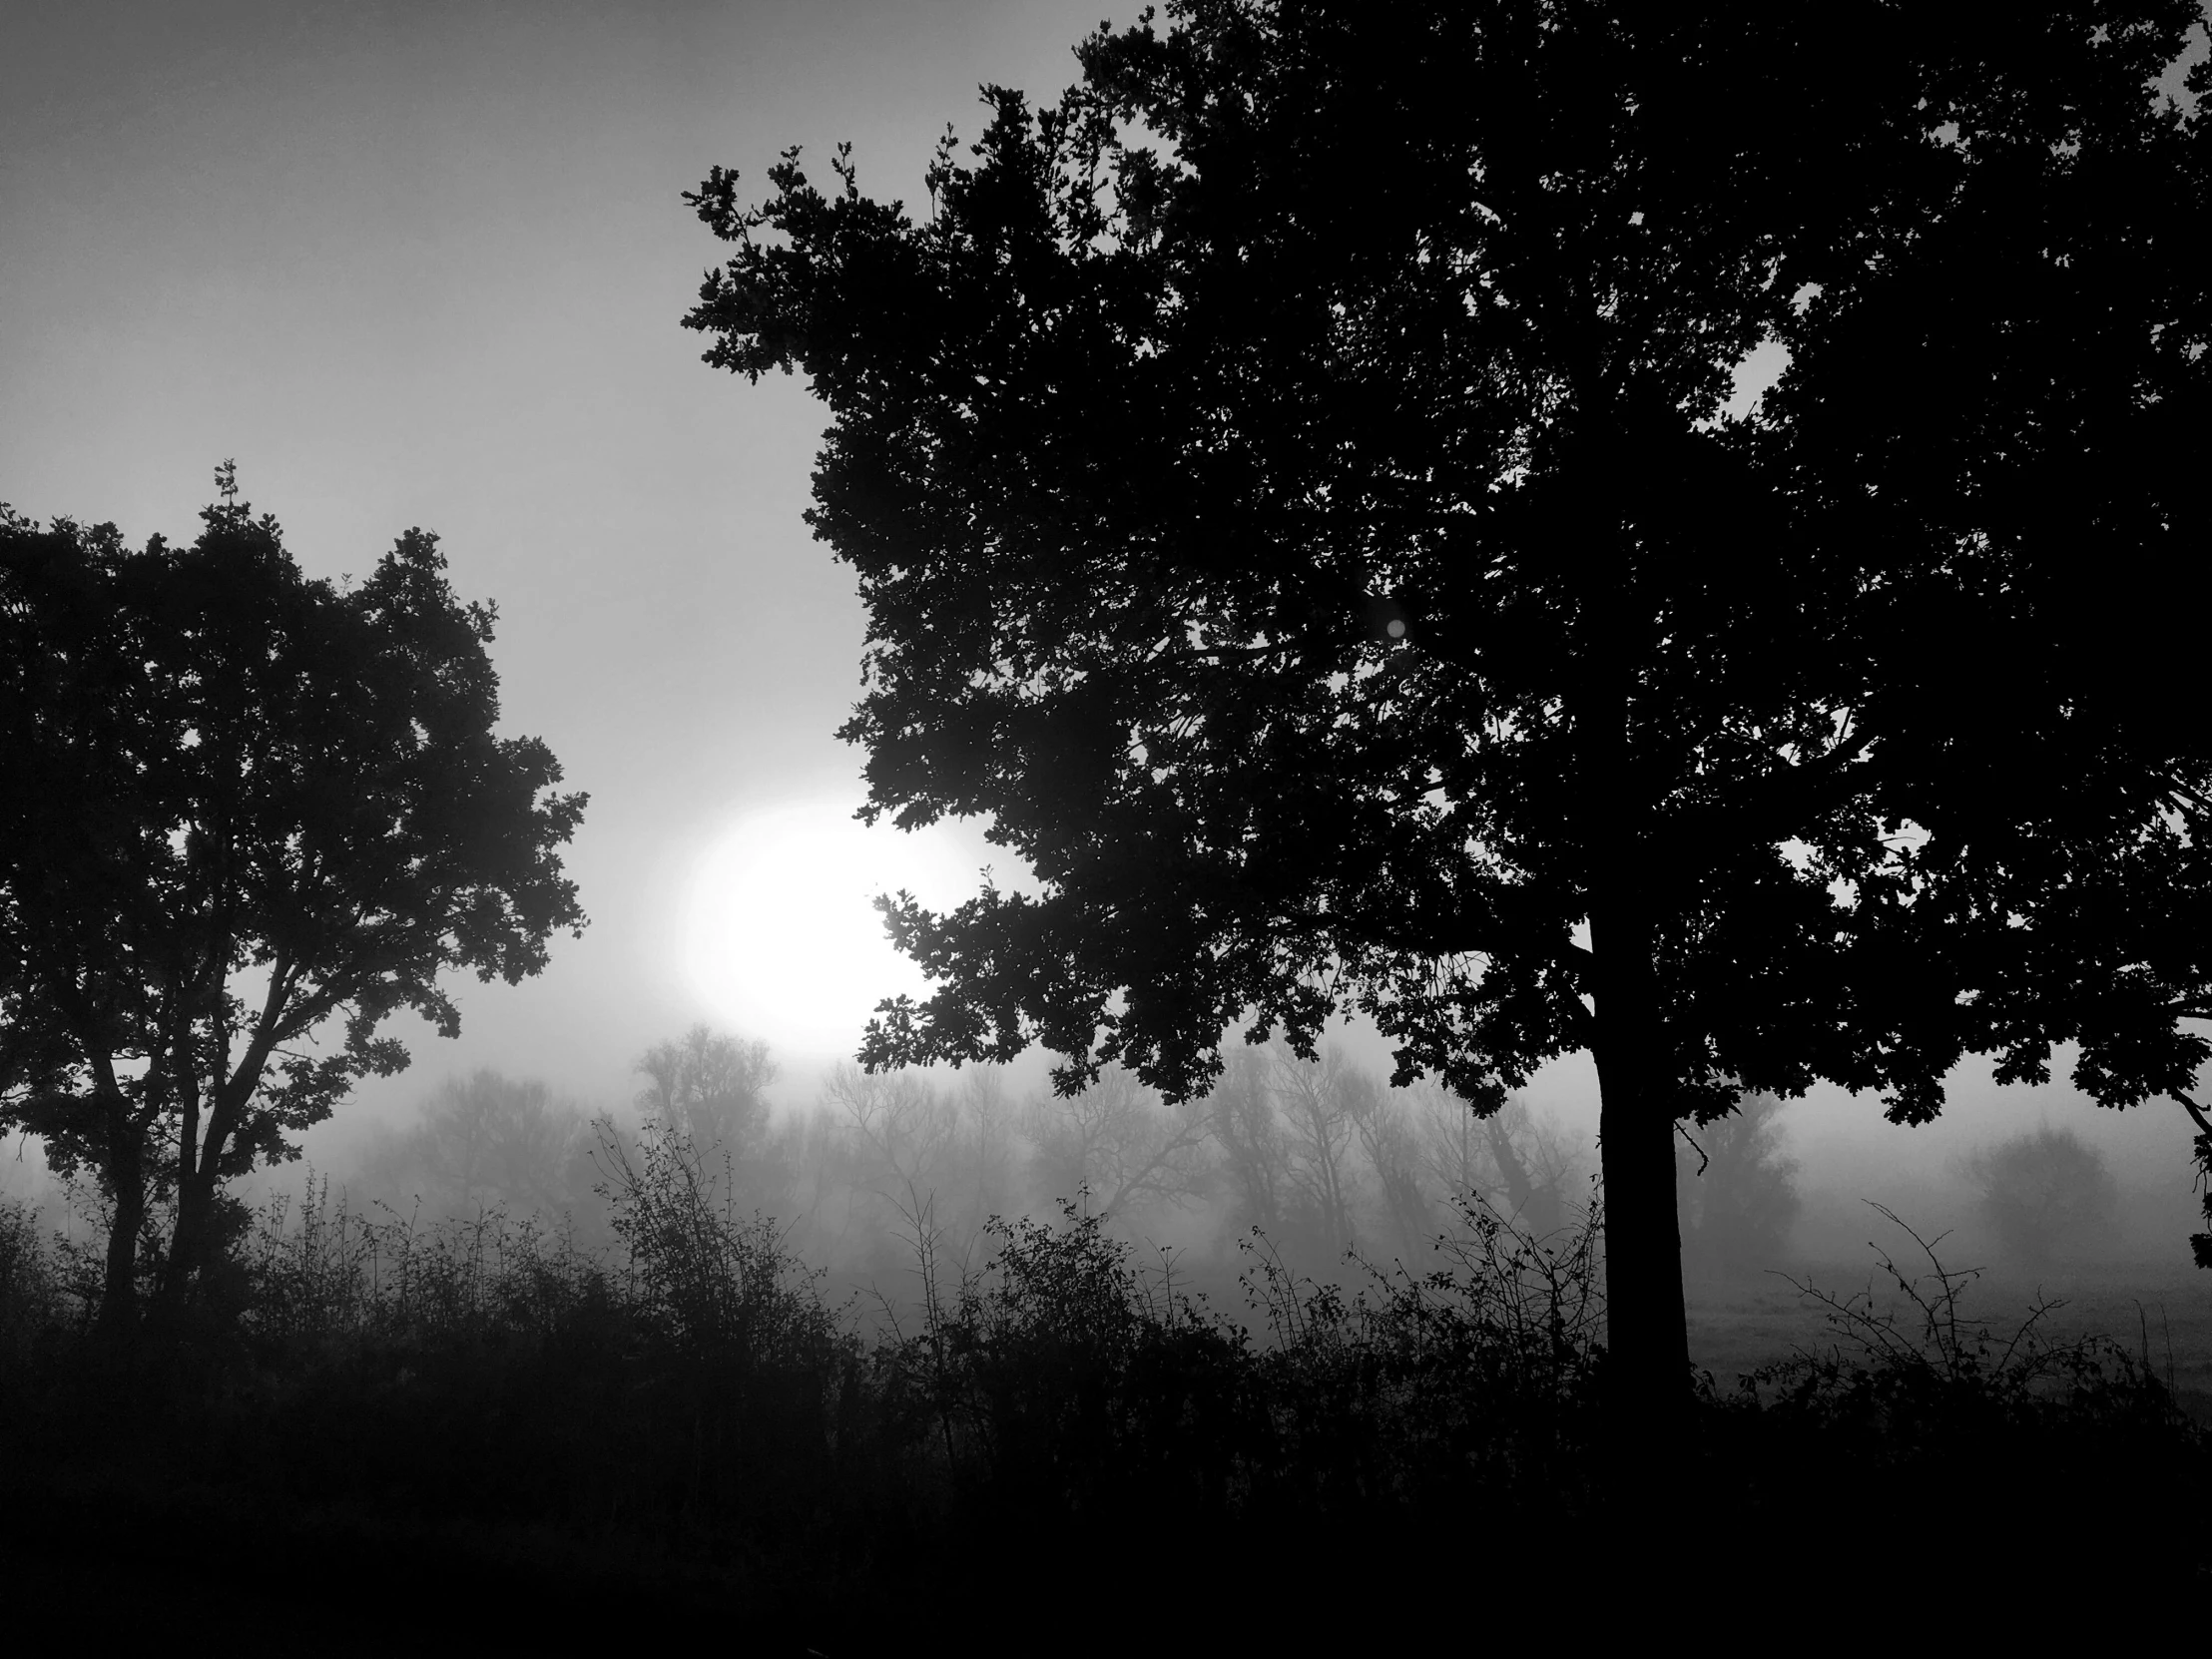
<point x="783" y="941"/>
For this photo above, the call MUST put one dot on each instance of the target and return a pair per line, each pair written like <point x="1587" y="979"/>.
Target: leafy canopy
<point x="1295" y="488"/>
<point x="243" y="805"/>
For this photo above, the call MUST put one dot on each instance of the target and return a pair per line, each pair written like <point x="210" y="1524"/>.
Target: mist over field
<point x="1339" y="1173"/>
<point x="737" y="737"/>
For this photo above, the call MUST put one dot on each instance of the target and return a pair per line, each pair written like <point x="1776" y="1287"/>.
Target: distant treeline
<point x="1321" y="1156"/>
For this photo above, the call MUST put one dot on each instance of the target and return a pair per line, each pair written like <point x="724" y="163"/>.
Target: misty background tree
<point x="248" y="817"/>
<point x="2042" y="1193"/>
<point x="710" y="1086"/>
<point x="1736" y="1189"/>
<point x="1294" y="490"/>
<point x="484" y="1141"/>
<point x="1120" y="1142"/>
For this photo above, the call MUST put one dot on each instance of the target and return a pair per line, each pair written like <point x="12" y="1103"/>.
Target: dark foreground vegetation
<point x="363" y="1415"/>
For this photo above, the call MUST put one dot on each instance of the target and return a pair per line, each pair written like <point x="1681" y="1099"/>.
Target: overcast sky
<point x="424" y="264"/>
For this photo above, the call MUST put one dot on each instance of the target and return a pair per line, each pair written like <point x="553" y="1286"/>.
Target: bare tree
<point x="1455" y="1163"/>
<point x="1389" y="1138"/>
<point x="1255" y="1154"/>
<point x="1533" y="1167"/>
<point x="1118" y="1139"/>
<point x="1321" y="1100"/>
<point x="711" y="1089"/>
<point x="906" y="1135"/>
<point x="1521" y="1164"/>
<point x="708" y="1086"/>
<point x="981" y="1173"/>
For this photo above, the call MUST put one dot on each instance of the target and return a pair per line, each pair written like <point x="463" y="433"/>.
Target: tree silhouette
<point x="242" y="804"/>
<point x="1293" y="489"/>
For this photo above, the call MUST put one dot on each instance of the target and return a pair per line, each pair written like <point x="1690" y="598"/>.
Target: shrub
<point x="2016" y="1451"/>
<point x="686" y="1419"/>
<point x="33" y="1297"/>
<point x="1064" y="1381"/>
<point x="708" y="1278"/>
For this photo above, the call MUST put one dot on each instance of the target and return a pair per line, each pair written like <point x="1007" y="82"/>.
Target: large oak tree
<point x="246" y="818"/>
<point x="1295" y="490"/>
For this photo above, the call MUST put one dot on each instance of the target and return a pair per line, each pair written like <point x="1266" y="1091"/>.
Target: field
<point x="2158" y="1311"/>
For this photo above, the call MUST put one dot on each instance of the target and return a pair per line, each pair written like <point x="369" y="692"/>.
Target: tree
<point x="1390" y="1138"/>
<point x="242" y="804"/>
<point x="2043" y="1192"/>
<point x="709" y="1087"/>
<point x="1119" y="1141"/>
<point x="1736" y="1189"/>
<point x="1255" y="1151"/>
<point x="486" y="1138"/>
<point x="1320" y="1101"/>
<point x="1533" y="1166"/>
<point x="905" y="1140"/>
<point x="1293" y="489"/>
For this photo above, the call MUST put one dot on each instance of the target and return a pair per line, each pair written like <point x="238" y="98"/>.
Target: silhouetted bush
<point x="2015" y="1456"/>
<point x="33" y="1299"/>
<point x="481" y="1402"/>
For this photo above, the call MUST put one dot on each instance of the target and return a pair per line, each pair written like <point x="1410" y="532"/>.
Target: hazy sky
<point x="423" y="264"/>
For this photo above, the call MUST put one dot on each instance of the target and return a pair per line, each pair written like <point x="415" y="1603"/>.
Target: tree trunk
<point x="1647" y="1329"/>
<point x="126" y="1183"/>
<point x="198" y="1159"/>
<point x="187" y="1245"/>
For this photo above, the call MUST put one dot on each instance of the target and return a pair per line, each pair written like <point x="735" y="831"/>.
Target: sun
<point x="783" y="939"/>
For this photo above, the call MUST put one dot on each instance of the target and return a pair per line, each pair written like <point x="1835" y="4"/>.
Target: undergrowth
<point x="687" y="1417"/>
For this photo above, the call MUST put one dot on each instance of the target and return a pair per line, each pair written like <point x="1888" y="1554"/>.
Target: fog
<point x="422" y="266"/>
<point x="640" y="1299"/>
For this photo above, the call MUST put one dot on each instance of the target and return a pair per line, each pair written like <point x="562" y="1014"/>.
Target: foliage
<point x="709" y="1278"/>
<point x="1066" y="1381"/>
<point x="480" y="1408"/>
<point x="243" y="805"/>
<point x="1914" y="1402"/>
<point x="33" y="1295"/>
<point x="1293" y="489"/>
<point x="2045" y="1191"/>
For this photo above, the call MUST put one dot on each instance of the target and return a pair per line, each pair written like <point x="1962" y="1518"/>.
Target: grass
<point x="2158" y="1311"/>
